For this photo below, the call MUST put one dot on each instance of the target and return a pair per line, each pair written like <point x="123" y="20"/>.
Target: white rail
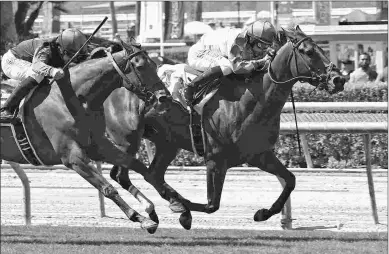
<point x="336" y="106"/>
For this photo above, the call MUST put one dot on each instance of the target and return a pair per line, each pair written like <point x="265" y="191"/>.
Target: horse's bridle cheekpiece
<point x="320" y="78"/>
<point x="141" y="91"/>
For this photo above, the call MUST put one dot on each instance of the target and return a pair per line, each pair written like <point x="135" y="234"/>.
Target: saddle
<point x="202" y="95"/>
<point x="17" y="127"/>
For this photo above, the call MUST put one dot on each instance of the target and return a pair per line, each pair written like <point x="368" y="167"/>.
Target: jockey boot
<point x="8" y="110"/>
<point x="207" y="76"/>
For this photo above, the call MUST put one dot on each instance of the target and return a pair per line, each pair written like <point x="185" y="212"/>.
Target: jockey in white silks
<point x="175" y="78"/>
<point x="32" y="60"/>
<point x="225" y="51"/>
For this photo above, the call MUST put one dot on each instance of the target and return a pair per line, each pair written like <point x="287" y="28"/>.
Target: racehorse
<point x="241" y="124"/>
<point x="66" y="123"/>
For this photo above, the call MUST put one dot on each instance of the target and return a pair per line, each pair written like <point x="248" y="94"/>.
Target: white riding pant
<point x="18" y="69"/>
<point x="203" y="59"/>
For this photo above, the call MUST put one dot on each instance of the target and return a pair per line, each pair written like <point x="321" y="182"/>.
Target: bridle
<point x="322" y="79"/>
<point x="141" y="91"/>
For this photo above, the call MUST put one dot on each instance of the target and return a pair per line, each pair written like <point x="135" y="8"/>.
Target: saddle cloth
<point x="17" y="126"/>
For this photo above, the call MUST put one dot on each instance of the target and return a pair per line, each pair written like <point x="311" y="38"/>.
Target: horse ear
<point x="286" y="33"/>
<point x="298" y="29"/>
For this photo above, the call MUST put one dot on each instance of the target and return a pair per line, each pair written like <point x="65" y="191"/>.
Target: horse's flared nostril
<point x="336" y="80"/>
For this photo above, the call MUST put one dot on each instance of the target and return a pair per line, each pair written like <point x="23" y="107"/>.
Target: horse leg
<point x="124" y="161"/>
<point x="216" y="174"/>
<point x="79" y="162"/>
<point x="156" y="177"/>
<point x="120" y="175"/>
<point x="286" y="212"/>
<point x="267" y="161"/>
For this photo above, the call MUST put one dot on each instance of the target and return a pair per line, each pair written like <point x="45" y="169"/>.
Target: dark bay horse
<point x="66" y="123"/>
<point x="241" y="123"/>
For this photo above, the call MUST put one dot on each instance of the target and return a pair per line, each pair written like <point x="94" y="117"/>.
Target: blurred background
<point x="344" y="29"/>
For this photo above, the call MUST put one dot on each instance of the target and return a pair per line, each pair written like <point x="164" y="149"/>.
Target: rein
<point x="313" y="77"/>
<point x="141" y="92"/>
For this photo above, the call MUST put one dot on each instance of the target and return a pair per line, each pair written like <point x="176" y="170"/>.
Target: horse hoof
<point x="177" y="207"/>
<point x="210" y="209"/>
<point x="153" y="216"/>
<point x="186" y="220"/>
<point x="149" y="225"/>
<point x="262" y="215"/>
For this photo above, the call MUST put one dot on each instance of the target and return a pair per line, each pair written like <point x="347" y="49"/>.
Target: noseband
<point x="320" y="78"/>
<point x="140" y="90"/>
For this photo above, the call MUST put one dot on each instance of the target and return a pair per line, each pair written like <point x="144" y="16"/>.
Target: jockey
<point x="32" y="60"/>
<point x="227" y="51"/>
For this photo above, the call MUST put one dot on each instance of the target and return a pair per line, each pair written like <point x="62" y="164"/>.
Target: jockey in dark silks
<point x="228" y="50"/>
<point x="33" y="60"/>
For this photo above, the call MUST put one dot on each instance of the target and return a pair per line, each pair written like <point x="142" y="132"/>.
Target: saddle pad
<point x="22" y="142"/>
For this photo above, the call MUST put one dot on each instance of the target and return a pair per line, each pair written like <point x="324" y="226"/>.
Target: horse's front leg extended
<point x="267" y="161"/>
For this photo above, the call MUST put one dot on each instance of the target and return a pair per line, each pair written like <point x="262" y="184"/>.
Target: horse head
<point x="306" y="62"/>
<point x="139" y="75"/>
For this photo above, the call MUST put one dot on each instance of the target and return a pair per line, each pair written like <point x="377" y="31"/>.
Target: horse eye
<point x="309" y="50"/>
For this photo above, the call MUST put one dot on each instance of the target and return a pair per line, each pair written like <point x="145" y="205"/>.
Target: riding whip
<point x="78" y="52"/>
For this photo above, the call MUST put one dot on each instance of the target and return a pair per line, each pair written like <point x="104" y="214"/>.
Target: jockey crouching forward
<point x="225" y="51"/>
<point x="33" y="60"/>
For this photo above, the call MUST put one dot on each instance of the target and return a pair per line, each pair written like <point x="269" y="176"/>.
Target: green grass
<point x="53" y="240"/>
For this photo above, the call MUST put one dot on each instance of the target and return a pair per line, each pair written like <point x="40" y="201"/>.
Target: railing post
<point x="26" y="191"/>
<point x="367" y="140"/>
<point x="101" y="196"/>
<point x="307" y="155"/>
<point x="286" y="212"/>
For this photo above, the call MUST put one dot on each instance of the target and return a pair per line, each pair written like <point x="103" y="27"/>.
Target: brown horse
<point x="65" y="131"/>
<point x="241" y="123"/>
<point x="237" y="115"/>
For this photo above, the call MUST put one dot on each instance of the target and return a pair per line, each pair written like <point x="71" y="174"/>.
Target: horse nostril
<point x="338" y="80"/>
<point x="163" y="99"/>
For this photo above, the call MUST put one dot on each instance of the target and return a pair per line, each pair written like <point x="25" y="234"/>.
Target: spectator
<point x="346" y="69"/>
<point x="364" y="73"/>
<point x="130" y="32"/>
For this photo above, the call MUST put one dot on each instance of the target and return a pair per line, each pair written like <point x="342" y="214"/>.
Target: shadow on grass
<point x="253" y="241"/>
<point x="314" y="228"/>
<point x="333" y="238"/>
<point x="160" y="243"/>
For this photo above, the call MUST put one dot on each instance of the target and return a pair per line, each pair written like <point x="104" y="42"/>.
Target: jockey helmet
<point x="262" y="31"/>
<point x="71" y="41"/>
